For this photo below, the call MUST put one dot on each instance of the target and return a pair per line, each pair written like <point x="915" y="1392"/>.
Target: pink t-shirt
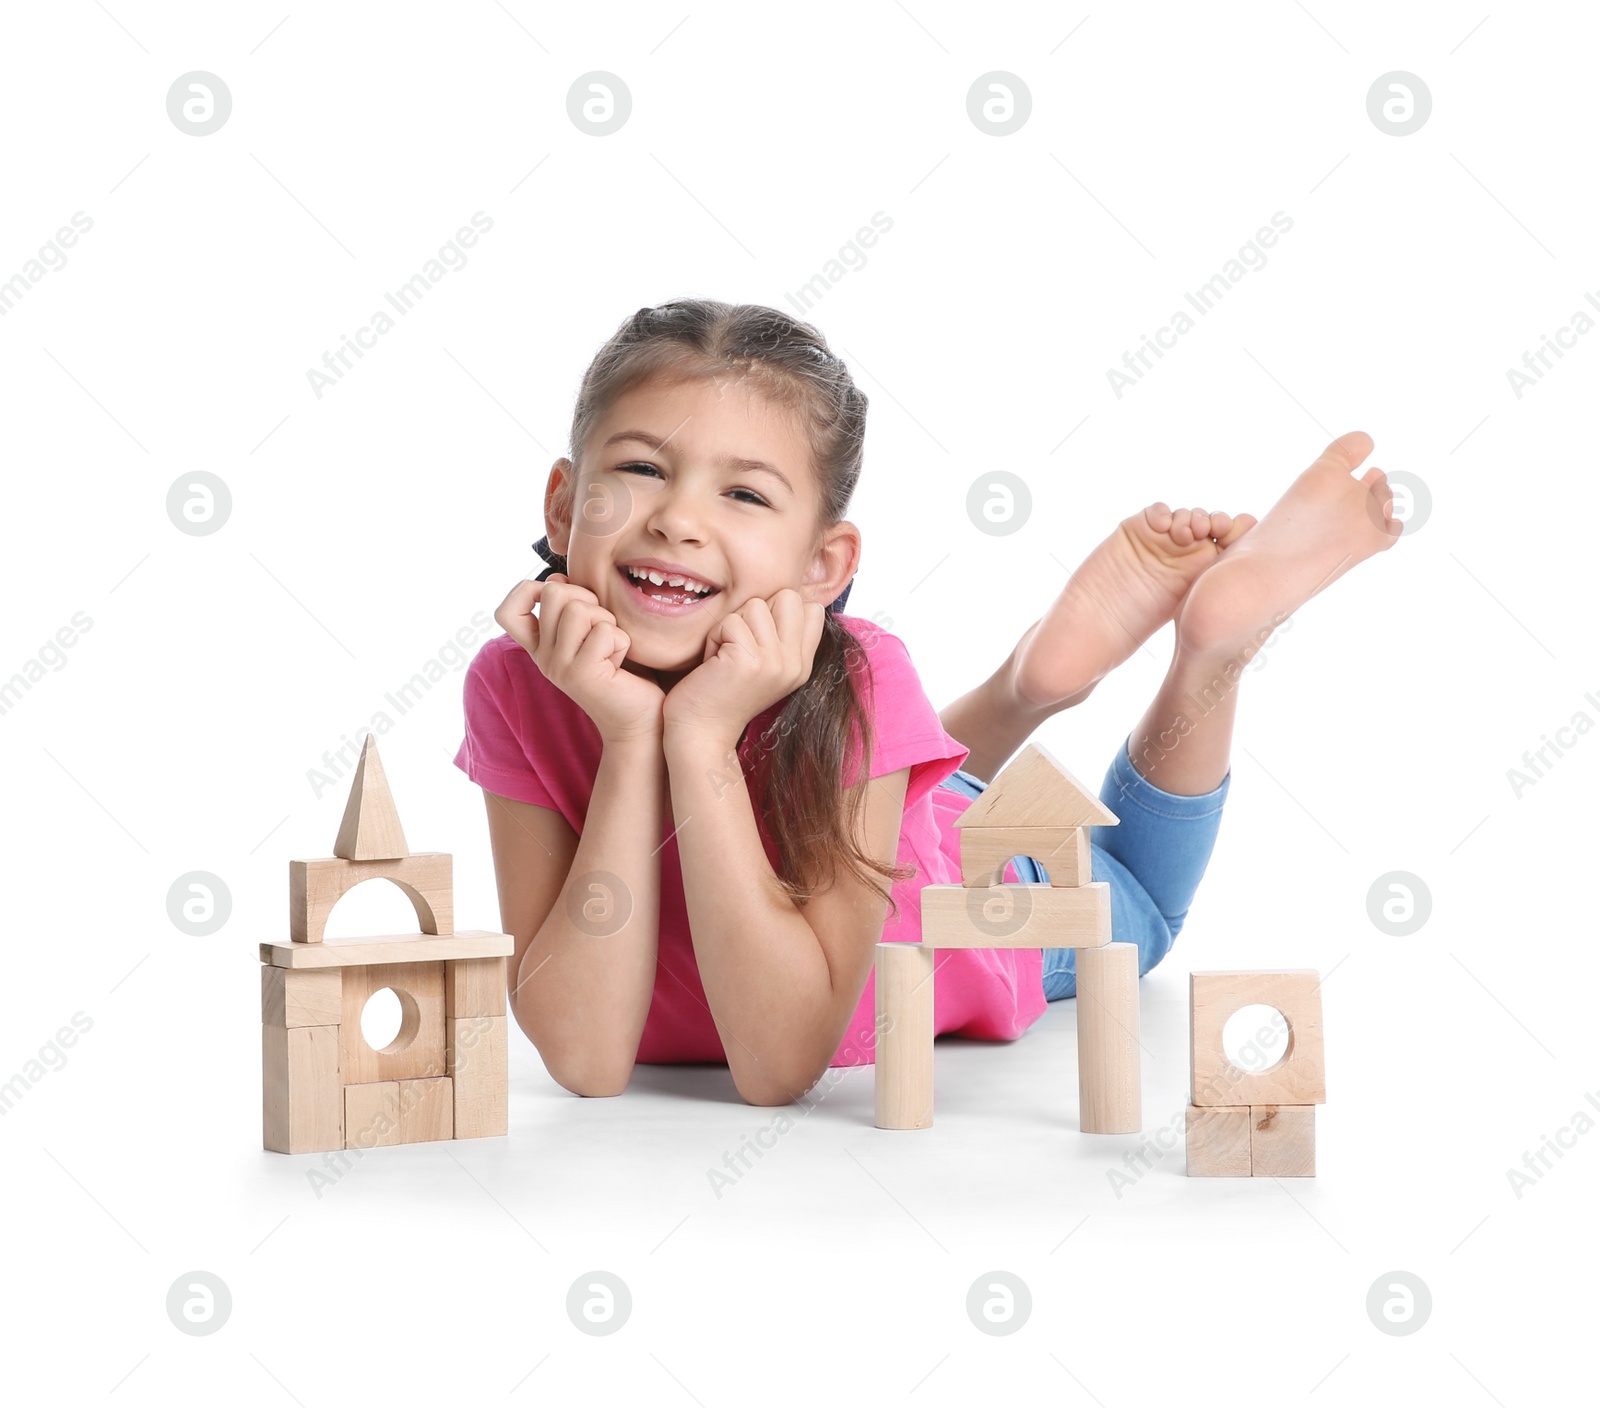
<point x="529" y="741"/>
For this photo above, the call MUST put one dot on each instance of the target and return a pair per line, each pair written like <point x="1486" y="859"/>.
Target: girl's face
<point x="705" y="479"/>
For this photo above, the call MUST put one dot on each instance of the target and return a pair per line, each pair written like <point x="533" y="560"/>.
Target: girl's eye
<point x="638" y="465"/>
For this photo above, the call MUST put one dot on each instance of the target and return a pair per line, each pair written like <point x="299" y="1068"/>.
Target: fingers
<point x="515" y="615"/>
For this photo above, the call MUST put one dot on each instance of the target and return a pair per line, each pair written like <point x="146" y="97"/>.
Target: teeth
<point x="666" y="579"/>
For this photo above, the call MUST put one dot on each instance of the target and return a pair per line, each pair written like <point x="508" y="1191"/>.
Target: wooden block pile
<point x="444" y="1074"/>
<point x="1244" y="1124"/>
<point x="1034" y="808"/>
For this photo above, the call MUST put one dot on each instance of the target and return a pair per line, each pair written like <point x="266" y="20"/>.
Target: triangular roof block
<point x="1033" y="789"/>
<point x="371" y="826"/>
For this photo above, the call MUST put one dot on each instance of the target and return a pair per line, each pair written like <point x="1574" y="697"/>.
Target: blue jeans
<point x="1153" y="860"/>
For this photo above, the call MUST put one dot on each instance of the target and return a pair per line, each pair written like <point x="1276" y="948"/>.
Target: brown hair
<point x="809" y="810"/>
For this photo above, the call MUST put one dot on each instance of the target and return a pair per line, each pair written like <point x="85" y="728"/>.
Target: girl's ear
<point x="558" y="493"/>
<point x="834" y="564"/>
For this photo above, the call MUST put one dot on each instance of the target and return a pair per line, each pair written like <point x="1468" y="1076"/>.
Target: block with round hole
<point x="1297" y="1078"/>
<point x="418" y="1048"/>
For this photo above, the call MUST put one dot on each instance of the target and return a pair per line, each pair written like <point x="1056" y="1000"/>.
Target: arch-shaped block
<point x="1062" y="851"/>
<point x="315" y="886"/>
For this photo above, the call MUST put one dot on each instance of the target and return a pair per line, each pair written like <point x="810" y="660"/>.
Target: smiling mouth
<point x="663" y="597"/>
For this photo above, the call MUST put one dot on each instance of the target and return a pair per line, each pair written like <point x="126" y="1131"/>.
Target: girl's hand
<point x="579" y="648"/>
<point x="754" y="657"/>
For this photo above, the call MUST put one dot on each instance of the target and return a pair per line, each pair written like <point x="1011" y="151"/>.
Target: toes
<point x="1220" y="523"/>
<point x="1182" y="529"/>
<point x="1200" y="523"/>
<point x="1158" y="516"/>
<point x="1349" y="449"/>
<point x="1242" y="523"/>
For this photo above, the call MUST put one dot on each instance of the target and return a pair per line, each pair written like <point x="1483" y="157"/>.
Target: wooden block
<point x="388" y="948"/>
<point x="477" y="1056"/>
<point x="1108" y="1039"/>
<point x="1217" y="1141"/>
<point x="1033" y="789"/>
<point x="1283" y="1141"/>
<point x="475" y="987"/>
<point x="419" y="1048"/>
<point x="1295" y="1080"/>
<point x="302" y="1095"/>
<point x="371" y="1114"/>
<point x="315" y="886"/>
<point x="1063" y="851"/>
<point x="902" y="1077"/>
<point x="309" y="998"/>
<point x="1016" y="916"/>
<point x="370" y="829"/>
<point x="427" y="1110"/>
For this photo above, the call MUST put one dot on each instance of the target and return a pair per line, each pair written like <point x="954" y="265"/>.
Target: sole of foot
<point x="1326" y="522"/>
<point x="1125" y="590"/>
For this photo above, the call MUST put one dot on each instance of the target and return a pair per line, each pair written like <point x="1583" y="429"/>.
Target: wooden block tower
<point x="444" y="1074"/>
<point x="1034" y="808"/>
<point x="1243" y="1124"/>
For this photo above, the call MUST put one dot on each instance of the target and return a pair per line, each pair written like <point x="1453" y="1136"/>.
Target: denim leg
<point x="1153" y="860"/>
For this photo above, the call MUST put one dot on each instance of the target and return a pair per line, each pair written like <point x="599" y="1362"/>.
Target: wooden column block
<point x="475" y="987"/>
<point x="1297" y="1079"/>
<point x="1062" y="850"/>
<point x="315" y="886"/>
<point x="477" y="1062"/>
<point x="302" y="1095"/>
<point x="1217" y="1140"/>
<point x="419" y="1047"/>
<point x="1108" y="1039"/>
<point x="301" y="998"/>
<point x="1283" y="1141"/>
<point x="902" y="1077"/>
<point x="427" y="1110"/>
<point x="371" y="1114"/>
<point x="1016" y="916"/>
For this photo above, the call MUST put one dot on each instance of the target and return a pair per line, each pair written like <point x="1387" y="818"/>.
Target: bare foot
<point x="1126" y="589"/>
<point x="1326" y="522"/>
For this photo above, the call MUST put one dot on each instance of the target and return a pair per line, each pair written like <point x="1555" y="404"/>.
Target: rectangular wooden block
<point x="1217" y="1141"/>
<point x="371" y="1114"/>
<point x="1297" y="1079"/>
<point x="1016" y="916"/>
<point x="477" y="1062"/>
<point x="1063" y="851"/>
<point x="388" y="948"/>
<point x="427" y="1110"/>
<point x="302" y="1095"/>
<point x="902" y="1076"/>
<point x="419" y="1049"/>
<point x="475" y="987"/>
<point x="301" y="999"/>
<point x="1283" y="1141"/>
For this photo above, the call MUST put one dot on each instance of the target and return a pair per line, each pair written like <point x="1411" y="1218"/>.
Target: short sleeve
<point x="491" y="752"/>
<point x="905" y="725"/>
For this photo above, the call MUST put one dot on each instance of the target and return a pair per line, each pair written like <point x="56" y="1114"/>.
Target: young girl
<point x="692" y="860"/>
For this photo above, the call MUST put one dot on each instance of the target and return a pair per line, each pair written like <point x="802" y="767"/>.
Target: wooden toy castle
<point x="1034" y="808"/>
<point x="444" y="1074"/>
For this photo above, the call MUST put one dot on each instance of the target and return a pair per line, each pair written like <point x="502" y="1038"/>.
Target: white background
<point x="370" y="525"/>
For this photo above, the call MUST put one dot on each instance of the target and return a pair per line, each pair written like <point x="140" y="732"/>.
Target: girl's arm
<point x="581" y="977"/>
<point x="782" y="982"/>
